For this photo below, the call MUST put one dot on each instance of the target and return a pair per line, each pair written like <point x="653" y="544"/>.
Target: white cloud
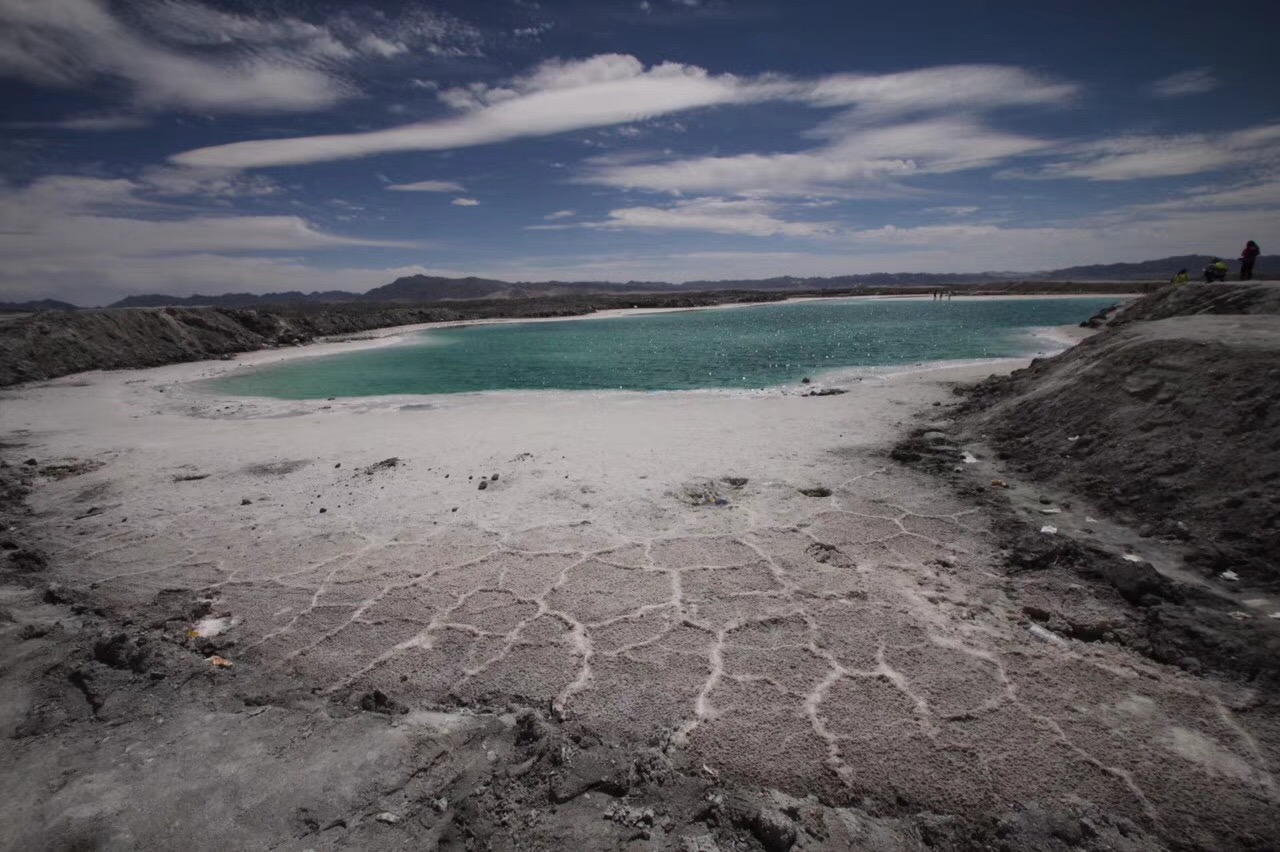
<point x="174" y="54"/>
<point x="465" y="202"/>
<point x="93" y="123"/>
<point x="560" y="214"/>
<point x="1194" y="82"/>
<point x="715" y="215"/>
<point x="557" y="96"/>
<point x="860" y="160"/>
<point x="945" y="87"/>
<point x="72" y="234"/>
<point x="427" y="186"/>
<point x="953" y="209"/>
<point x="611" y="89"/>
<point x="67" y="42"/>
<point x="1143" y="156"/>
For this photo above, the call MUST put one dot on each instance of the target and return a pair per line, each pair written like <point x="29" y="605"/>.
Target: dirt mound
<point x="1173" y="425"/>
<point x="1253" y="297"/>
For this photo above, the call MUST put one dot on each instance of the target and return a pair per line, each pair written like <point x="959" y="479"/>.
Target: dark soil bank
<point x="1172" y="424"/>
<point x="47" y="345"/>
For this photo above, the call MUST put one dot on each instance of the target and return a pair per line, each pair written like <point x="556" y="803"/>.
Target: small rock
<point x="387" y="818"/>
<point x="1229" y="576"/>
<point x="484" y="483"/>
<point x="31" y="462"/>
<point x="246" y="502"/>
<point x="494" y="478"/>
<point x="323" y="510"/>
<point x="338" y="465"/>
<point x="805" y="380"/>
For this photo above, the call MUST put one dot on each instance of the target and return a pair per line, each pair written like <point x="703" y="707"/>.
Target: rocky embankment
<point x="1249" y="298"/>
<point x="51" y="344"/>
<point x="1168" y="423"/>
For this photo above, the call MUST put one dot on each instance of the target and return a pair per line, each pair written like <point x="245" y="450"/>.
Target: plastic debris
<point x="1074" y="438"/>
<point x="220" y="662"/>
<point x="1229" y="576"/>
<point x="1130" y="557"/>
<point x="1050" y="511"/>
<point x="1089" y="520"/>
<point x="1275" y="615"/>
<point x="387" y="818"/>
<point x="1046" y="635"/>
<point x="999" y="483"/>
<point x="1048" y="530"/>
<point x="969" y="458"/>
<point x="1239" y="615"/>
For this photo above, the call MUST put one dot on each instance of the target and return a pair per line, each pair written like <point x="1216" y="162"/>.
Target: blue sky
<point x="182" y="146"/>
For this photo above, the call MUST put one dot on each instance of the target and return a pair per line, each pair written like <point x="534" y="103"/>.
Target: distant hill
<point x="1148" y="270"/>
<point x="41" y="305"/>
<point x="433" y="288"/>
<point x="235" y="300"/>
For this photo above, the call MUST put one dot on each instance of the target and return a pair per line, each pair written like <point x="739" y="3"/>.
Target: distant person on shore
<point x="1215" y="271"/>
<point x="1180" y="278"/>
<point x="1247" y="258"/>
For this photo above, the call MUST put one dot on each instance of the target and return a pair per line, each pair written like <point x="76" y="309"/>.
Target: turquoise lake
<point x="749" y="347"/>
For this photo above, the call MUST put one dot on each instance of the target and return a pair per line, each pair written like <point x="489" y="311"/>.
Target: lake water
<point x="750" y="347"/>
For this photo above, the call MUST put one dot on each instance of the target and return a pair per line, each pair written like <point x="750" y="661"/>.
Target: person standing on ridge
<point x="1247" y="257"/>
<point x="1215" y="271"/>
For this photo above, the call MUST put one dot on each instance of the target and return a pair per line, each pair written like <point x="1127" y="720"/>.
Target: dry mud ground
<point x="689" y="622"/>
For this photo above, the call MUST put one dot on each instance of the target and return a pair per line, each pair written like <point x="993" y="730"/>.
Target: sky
<point x="192" y="146"/>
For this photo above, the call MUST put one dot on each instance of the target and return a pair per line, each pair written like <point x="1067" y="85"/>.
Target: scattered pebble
<point x="323" y="510"/>
<point x="220" y="662"/>
<point x="484" y="483"/>
<point x="999" y="483"/>
<point x="246" y="502"/>
<point x="1048" y="530"/>
<point x="1230" y="576"/>
<point x="387" y="818"/>
<point x="970" y="458"/>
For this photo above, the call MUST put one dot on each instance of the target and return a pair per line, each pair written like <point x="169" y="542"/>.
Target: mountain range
<point x="431" y="288"/>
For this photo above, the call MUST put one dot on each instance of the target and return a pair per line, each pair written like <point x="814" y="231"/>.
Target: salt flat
<point x="744" y="582"/>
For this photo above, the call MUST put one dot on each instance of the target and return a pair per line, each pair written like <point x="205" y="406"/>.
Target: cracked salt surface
<point x="859" y="645"/>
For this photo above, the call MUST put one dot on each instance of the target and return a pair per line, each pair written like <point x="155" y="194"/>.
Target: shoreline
<point x="1064" y="336"/>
